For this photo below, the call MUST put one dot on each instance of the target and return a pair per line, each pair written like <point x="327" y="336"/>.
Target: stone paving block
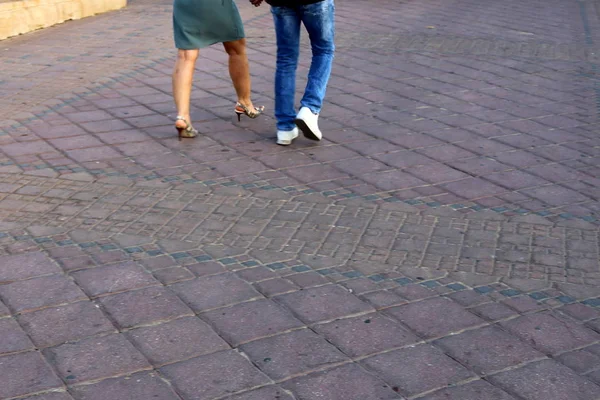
<point x="14" y="339"/>
<point x="144" y="306"/>
<point x="176" y="340"/>
<point x="266" y="393"/>
<point x="51" y="396"/>
<point x="546" y="380"/>
<point x="40" y="292"/>
<point x="114" y="278"/>
<point x="96" y="358"/>
<point x="214" y="291"/>
<point x="56" y="325"/>
<point x="26" y="373"/>
<point x="493" y="311"/>
<point x="273" y="287"/>
<point x="213" y="375"/>
<point x="488" y="349"/>
<point x="348" y="382"/>
<point x="4" y="311"/>
<point x="581" y="361"/>
<point x="142" y="385"/>
<point x="417" y="369"/>
<point x="434" y="318"/>
<point x="580" y="311"/>
<point x="365" y="335"/>
<point x="292" y="354"/>
<point x="477" y="390"/>
<point x="550" y="333"/>
<point x="323" y="303"/>
<point x="24" y="266"/>
<point x="252" y="320"/>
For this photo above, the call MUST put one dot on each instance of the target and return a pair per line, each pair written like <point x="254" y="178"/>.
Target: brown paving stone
<point x="57" y="325"/>
<point x="114" y="278"/>
<point x="434" y="317"/>
<point x="177" y="340"/>
<point x="144" y="306"/>
<point x="138" y="386"/>
<point x="477" y="390"/>
<point x="266" y="393"/>
<point x="40" y="292"/>
<point x="292" y="354"/>
<point x="550" y="333"/>
<point x="95" y="358"/>
<point x="365" y="335"/>
<point x="322" y="303"/>
<point x="24" y="266"/>
<point x="26" y="373"/>
<point x="14" y="339"/>
<point x="213" y="375"/>
<point x="214" y="291"/>
<point x="252" y="320"/>
<point x="546" y="380"/>
<point x="349" y="382"/>
<point x="488" y="349"/>
<point x="418" y="369"/>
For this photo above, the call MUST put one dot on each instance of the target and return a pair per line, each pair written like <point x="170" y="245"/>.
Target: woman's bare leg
<point x="182" y="83"/>
<point x="239" y="70"/>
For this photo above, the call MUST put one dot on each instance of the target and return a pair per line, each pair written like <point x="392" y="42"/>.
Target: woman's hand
<point x="256" y="3"/>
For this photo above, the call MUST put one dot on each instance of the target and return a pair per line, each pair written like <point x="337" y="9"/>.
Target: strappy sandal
<point x="242" y="109"/>
<point x="188" y="131"/>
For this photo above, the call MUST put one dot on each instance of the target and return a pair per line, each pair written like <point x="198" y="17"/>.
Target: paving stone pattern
<point x="440" y="243"/>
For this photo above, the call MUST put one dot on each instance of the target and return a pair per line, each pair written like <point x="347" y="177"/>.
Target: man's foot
<point x="285" y="138"/>
<point x="308" y="124"/>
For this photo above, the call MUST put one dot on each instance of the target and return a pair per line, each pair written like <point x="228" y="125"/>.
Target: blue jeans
<point x="318" y="19"/>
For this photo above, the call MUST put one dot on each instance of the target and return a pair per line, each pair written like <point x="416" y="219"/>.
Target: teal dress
<point x="201" y="23"/>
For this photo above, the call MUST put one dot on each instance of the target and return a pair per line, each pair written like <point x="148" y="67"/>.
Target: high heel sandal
<point x="242" y="109"/>
<point x="188" y="131"/>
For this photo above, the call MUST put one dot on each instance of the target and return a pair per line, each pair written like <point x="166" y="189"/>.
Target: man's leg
<point x="287" y="28"/>
<point x="318" y="18"/>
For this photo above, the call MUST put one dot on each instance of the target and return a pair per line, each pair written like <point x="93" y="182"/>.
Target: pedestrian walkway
<point x="440" y="243"/>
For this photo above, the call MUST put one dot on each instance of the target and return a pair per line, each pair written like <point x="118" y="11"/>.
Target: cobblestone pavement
<point x="441" y="242"/>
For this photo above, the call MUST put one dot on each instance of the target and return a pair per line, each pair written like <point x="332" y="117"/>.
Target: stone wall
<point x="22" y="16"/>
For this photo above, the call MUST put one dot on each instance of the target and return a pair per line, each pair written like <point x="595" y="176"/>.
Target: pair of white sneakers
<point x="307" y="122"/>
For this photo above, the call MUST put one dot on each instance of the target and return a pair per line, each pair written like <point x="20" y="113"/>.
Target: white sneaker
<point x="285" y="138"/>
<point x="308" y="124"/>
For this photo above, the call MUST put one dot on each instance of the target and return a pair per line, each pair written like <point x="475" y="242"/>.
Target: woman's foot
<point x="184" y="128"/>
<point x="248" y="109"/>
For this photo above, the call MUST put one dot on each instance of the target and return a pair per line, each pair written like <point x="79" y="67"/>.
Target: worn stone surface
<point x="444" y="231"/>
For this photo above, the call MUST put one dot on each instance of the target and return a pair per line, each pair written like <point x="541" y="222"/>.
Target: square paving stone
<point x="488" y="349"/>
<point x="95" y="358"/>
<point x="57" y="325"/>
<point x="493" y="311"/>
<point x="266" y="393"/>
<point x="40" y="292"/>
<point x="349" y="382"/>
<point x="144" y="306"/>
<point x="13" y="338"/>
<point x="26" y="373"/>
<point x="581" y="361"/>
<point x="4" y="311"/>
<point x="478" y="390"/>
<point x="139" y="386"/>
<point x="249" y="321"/>
<point x="418" y="369"/>
<point x="24" y="266"/>
<point x="551" y="334"/>
<point x="214" y="291"/>
<point x="366" y="335"/>
<point x="546" y="380"/>
<point x="213" y="375"/>
<point x="177" y="340"/>
<point x="323" y="303"/>
<point x="50" y="396"/>
<point x="114" y="278"/>
<point x="292" y="353"/>
<point x="434" y="318"/>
